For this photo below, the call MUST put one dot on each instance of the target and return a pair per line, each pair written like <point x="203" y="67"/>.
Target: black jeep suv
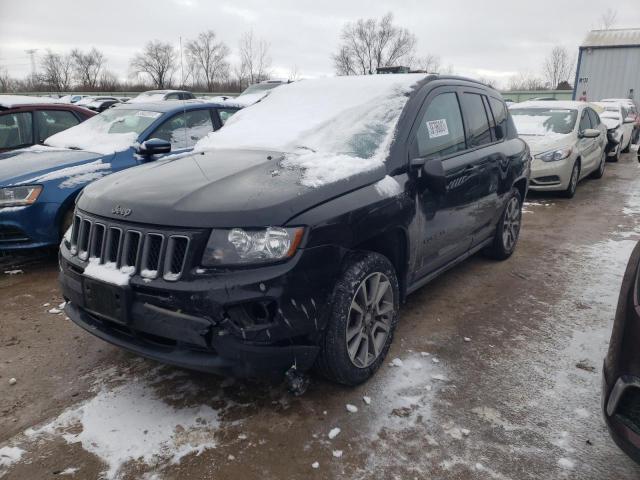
<point x="291" y="236"/>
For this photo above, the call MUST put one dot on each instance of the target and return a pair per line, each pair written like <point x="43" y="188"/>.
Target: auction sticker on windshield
<point x="437" y="128"/>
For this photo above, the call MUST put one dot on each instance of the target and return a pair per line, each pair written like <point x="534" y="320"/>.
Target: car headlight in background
<point x="554" y="155"/>
<point x="238" y="246"/>
<point x="19" y="195"/>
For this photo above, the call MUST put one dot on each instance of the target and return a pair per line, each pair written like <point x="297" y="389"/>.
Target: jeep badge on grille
<point x="118" y="210"/>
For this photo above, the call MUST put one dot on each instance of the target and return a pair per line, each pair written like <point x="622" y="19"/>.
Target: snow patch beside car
<point x="131" y="423"/>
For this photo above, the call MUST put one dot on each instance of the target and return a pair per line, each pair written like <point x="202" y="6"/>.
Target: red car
<point x="25" y="121"/>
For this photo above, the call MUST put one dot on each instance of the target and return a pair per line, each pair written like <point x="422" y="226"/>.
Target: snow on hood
<point x="93" y="135"/>
<point x="330" y="128"/>
<point x="610" y="122"/>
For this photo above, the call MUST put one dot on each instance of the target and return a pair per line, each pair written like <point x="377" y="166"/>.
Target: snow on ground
<point x="9" y="456"/>
<point x="129" y="423"/>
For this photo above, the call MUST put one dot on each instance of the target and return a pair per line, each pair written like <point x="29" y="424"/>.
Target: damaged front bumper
<point x="246" y="322"/>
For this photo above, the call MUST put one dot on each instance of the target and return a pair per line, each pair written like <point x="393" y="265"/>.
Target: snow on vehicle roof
<point x="331" y="128"/>
<point x="11" y="101"/>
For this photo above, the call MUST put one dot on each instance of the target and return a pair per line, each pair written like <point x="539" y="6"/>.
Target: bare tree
<point x="558" y="66"/>
<point x="526" y="81"/>
<point x="88" y="66"/>
<point x="255" y="61"/>
<point x="158" y="61"/>
<point x="6" y="82"/>
<point x="294" y="73"/>
<point x="368" y="44"/>
<point x="57" y="71"/>
<point x="207" y="58"/>
<point x="428" y="63"/>
<point x="108" y="82"/>
<point x="608" y="19"/>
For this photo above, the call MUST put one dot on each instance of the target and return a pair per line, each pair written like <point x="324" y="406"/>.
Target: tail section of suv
<point x="295" y="243"/>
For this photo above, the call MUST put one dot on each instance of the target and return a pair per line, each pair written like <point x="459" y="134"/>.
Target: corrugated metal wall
<point x="609" y="73"/>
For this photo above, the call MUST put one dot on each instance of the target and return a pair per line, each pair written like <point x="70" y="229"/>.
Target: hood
<point x="218" y="188"/>
<point x="41" y="164"/>
<point x="610" y="123"/>
<point x="544" y="143"/>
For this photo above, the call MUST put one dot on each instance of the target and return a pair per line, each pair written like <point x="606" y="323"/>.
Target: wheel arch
<point x="393" y="244"/>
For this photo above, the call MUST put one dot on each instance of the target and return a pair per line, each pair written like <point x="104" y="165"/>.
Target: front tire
<point x="573" y="181"/>
<point x="627" y="148"/>
<point x="508" y="229"/>
<point x="600" y="171"/>
<point x="363" y="319"/>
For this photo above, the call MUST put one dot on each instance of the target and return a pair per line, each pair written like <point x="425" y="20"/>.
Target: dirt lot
<point x="499" y="376"/>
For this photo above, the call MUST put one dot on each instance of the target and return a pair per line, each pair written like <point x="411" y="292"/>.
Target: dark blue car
<point x="38" y="185"/>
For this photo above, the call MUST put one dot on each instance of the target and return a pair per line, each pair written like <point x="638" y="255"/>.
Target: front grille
<point x="150" y="253"/>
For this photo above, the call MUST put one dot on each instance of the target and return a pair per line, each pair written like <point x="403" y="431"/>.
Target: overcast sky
<point x="481" y="39"/>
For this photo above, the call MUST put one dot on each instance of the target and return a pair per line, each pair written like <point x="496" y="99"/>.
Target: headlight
<point x="19" y="195"/>
<point x="238" y="246"/>
<point x="555" y="155"/>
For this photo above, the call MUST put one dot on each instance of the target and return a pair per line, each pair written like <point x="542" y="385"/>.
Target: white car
<point x="567" y="141"/>
<point x="620" y="127"/>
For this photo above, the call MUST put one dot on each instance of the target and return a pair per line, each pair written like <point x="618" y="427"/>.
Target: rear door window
<point x="16" y="130"/>
<point x="476" y="120"/>
<point x="441" y="132"/>
<point x="50" y="122"/>
<point x="185" y="129"/>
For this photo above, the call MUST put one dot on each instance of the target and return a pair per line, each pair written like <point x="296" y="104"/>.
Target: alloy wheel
<point x="370" y="318"/>
<point x="511" y="224"/>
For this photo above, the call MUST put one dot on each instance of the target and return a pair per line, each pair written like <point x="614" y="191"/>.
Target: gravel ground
<point x="498" y="376"/>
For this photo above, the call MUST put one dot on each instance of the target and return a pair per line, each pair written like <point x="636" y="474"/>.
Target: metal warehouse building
<point x="609" y="65"/>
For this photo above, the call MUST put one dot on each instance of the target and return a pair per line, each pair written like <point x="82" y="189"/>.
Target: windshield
<point x="331" y="128"/>
<point x="260" y="87"/>
<point x="542" y="121"/>
<point x="112" y="130"/>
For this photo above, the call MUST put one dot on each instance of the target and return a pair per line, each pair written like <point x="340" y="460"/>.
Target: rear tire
<point x="573" y="182"/>
<point x="364" y="316"/>
<point x="508" y="229"/>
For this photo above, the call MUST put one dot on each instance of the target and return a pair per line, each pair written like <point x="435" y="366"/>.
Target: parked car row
<point x="289" y="237"/>
<point x="573" y="140"/>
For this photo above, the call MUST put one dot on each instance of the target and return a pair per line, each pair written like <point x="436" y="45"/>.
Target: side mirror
<point x="590" y="133"/>
<point x="499" y="132"/>
<point x="154" y="146"/>
<point x="433" y="176"/>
